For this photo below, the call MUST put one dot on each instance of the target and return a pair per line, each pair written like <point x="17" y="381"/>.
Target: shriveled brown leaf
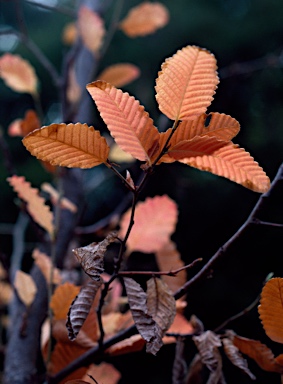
<point x="25" y="287"/>
<point x="145" y="19"/>
<point x="55" y="197"/>
<point x="69" y="145"/>
<point x="44" y="263"/>
<point x="119" y="74"/>
<point x="160" y="303"/>
<point x="104" y="373"/>
<point x="126" y="119"/>
<point x="147" y="327"/>
<point x="21" y="127"/>
<point x="91" y="29"/>
<point x="186" y="83"/>
<point x="155" y="222"/>
<point x="18" y="74"/>
<point x="271" y="309"/>
<point x="36" y="206"/>
<point x="91" y="257"/>
<point x="62" y="298"/>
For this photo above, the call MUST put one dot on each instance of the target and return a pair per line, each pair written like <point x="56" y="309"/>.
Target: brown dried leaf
<point x="132" y="344"/>
<point x="181" y="326"/>
<point x="80" y="307"/>
<point x="25" y="287"/>
<point x="21" y="127"/>
<point x="60" y="333"/>
<point x="68" y="145"/>
<point x="161" y="304"/>
<point x="115" y="322"/>
<point x="271" y="309"/>
<point x="179" y="366"/>
<point x="18" y="74"/>
<point x="232" y="352"/>
<point x="40" y="212"/>
<point x="91" y="29"/>
<point x="44" y="264"/>
<point x="91" y="257"/>
<point x="147" y="327"/>
<point x="62" y="298"/>
<point x="55" y="196"/>
<point x="186" y="83"/>
<point x="104" y="373"/>
<point x="126" y="119"/>
<point x="155" y="221"/>
<point x="119" y="74"/>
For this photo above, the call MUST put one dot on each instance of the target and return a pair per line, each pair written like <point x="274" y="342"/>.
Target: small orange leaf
<point x="72" y="145"/>
<point x="74" y="90"/>
<point x="145" y="19"/>
<point x="35" y="204"/>
<point x="271" y="309"/>
<point x="119" y="74"/>
<point x="91" y="29"/>
<point x="55" y="197"/>
<point x="44" y="264"/>
<point x="126" y="119"/>
<point x="25" y="287"/>
<point x="62" y="299"/>
<point x="186" y="83"/>
<point x="155" y="221"/>
<point x="21" y="127"/>
<point x="70" y="34"/>
<point x="18" y="74"/>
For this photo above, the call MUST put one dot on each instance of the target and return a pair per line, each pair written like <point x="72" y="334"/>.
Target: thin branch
<point x="61" y="9"/>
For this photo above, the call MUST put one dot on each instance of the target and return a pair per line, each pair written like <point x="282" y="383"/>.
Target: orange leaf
<point x="180" y="326"/>
<point x="186" y="83"/>
<point x="104" y="373"/>
<point x="21" y="127"/>
<point x="74" y="90"/>
<point x="126" y="119"/>
<point x="62" y="299"/>
<point x="91" y="28"/>
<point x="35" y="204"/>
<point x="25" y="287"/>
<point x="271" y="309"/>
<point x="155" y="221"/>
<point x="70" y="34"/>
<point x="18" y="74"/>
<point x="119" y="74"/>
<point x="72" y="145"/>
<point x="115" y="322"/>
<point x="55" y="197"/>
<point x="44" y="264"/>
<point x="132" y="344"/>
<point x="145" y="19"/>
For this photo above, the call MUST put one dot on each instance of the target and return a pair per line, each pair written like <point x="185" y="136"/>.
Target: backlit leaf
<point x="21" y="127"/>
<point x="147" y="327"/>
<point x="145" y="19"/>
<point x="68" y="145"/>
<point x="18" y="74"/>
<point x="119" y="74"/>
<point x="39" y="211"/>
<point x="91" y="29"/>
<point x="91" y="257"/>
<point x="155" y="222"/>
<point x="62" y="298"/>
<point x="126" y="119"/>
<point x="271" y="309"/>
<point x="186" y="83"/>
<point x="45" y="265"/>
<point x="25" y="287"/>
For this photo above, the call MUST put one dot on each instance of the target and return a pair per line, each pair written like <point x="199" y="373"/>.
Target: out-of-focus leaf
<point x="104" y="373"/>
<point x="69" y="145"/>
<point x="39" y="211"/>
<point x="145" y="19"/>
<point x="155" y="221"/>
<point x="91" y="29"/>
<point x="160" y="303"/>
<point x="207" y="344"/>
<point x="25" y="287"/>
<point x="117" y="155"/>
<point x="70" y="33"/>
<point x="147" y="327"/>
<point x="186" y="83"/>
<point x="55" y="197"/>
<point x="74" y="91"/>
<point x="80" y="307"/>
<point x="179" y="366"/>
<point x="18" y="74"/>
<point x="45" y="265"/>
<point x="195" y="369"/>
<point x="132" y="344"/>
<point x="21" y="127"/>
<point x="6" y="293"/>
<point x="271" y="309"/>
<point x="232" y="352"/>
<point x="91" y="257"/>
<point x="60" y="333"/>
<point x="62" y="298"/>
<point x="115" y="322"/>
<point x="119" y="74"/>
<point x="126" y="119"/>
<point x="180" y="326"/>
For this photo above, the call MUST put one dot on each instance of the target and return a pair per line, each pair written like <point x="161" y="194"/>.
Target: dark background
<point x="246" y="36"/>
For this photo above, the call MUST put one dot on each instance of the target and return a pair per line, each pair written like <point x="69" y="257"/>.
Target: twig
<point x="61" y="9"/>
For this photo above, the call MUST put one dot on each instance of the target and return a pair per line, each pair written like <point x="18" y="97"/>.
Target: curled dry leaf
<point x="45" y="265"/>
<point x="39" y="211"/>
<point x="91" y="257"/>
<point x="25" y="287"/>
<point x="155" y="222"/>
<point x="21" y="127"/>
<point x="18" y="74"/>
<point x="127" y="121"/>
<point x="119" y="74"/>
<point x="271" y="309"/>
<point x="145" y="19"/>
<point x="55" y="197"/>
<point x="186" y="83"/>
<point x="69" y="145"/>
<point x="91" y="29"/>
<point x="62" y="298"/>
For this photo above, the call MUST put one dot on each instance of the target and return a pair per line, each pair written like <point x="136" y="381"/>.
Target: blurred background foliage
<point x="246" y="36"/>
